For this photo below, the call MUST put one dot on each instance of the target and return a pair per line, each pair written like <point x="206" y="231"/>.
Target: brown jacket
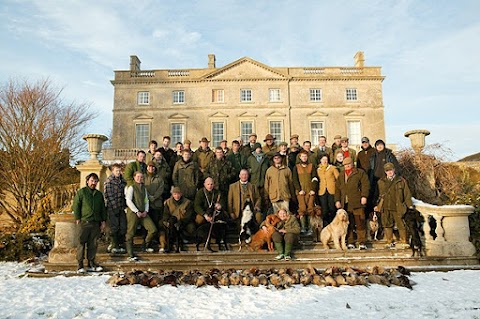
<point x="290" y="225"/>
<point x="327" y="176"/>
<point x="279" y="183"/>
<point x="363" y="158"/>
<point x="351" y="152"/>
<point x="353" y="189"/>
<point x="236" y="201"/>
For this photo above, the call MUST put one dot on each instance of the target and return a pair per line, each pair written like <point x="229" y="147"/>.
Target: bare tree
<point x="39" y="132"/>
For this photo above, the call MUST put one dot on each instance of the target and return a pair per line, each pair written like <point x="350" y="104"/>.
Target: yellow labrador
<point x="336" y="231"/>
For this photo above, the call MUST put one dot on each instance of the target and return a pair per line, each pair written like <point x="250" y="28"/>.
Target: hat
<point x="283" y="143"/>
<point x="277" y="154"/>
<point x="344" y="139"/>
<point x="252" y="134"/>
<point x="269" y="137"/>
<point x="177" y="190"/>
<point x="294" y="136"/>
<point x="187" y="142"/>
<point x="379" y="142"/>
<point x="347" y="161"/>
<point x="294" y="147"/>
<point x="337" y="137"/>
<point x="223" y="141"/>
<point x="204" y="139"/>
<point x="388" y="167"/>
<point x="257" y="145"/>
<point x="365" y="139"/>
<point x="152" y="163"/>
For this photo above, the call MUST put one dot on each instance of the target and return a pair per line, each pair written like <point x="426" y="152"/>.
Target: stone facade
<point x="245" y="96"/>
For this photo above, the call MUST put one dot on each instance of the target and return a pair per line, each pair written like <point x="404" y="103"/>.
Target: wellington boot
<point x="303" y="223"/>
<point x="279" y="248"/>
<point x="288" y="249"/>
<point x="129" y="245"/>
<point x="388" y="235"/>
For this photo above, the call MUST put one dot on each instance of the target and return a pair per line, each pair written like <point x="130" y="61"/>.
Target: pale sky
<point x="429" y="50"/>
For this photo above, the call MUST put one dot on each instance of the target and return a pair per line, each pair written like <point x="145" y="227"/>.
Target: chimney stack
<point x="134" y="63"/>
<point x="359" y="59"/>
<point x="211" y="61"/>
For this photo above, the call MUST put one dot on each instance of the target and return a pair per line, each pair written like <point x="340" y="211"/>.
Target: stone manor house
<point x="242" y="97"/>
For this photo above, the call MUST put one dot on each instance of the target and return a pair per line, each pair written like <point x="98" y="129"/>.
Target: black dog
<point x="218" y="231"/>
<point x="174" y="232"/>
<point x="413" y="220"/>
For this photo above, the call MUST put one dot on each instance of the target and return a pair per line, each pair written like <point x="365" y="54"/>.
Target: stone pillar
<point x="417" y="138"/>
<point x="453" y="230"/>
<point x="65" y="247"/>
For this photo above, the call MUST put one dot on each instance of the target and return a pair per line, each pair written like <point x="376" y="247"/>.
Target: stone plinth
<point x="417" y="138"/>
<point x="92" y="167"/>
<point x="65" y="246"/>
<point x="453" y="230"/>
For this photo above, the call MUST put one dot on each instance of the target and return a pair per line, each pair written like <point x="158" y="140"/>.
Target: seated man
<point x="207" y="199"/>
<point x="286" y="236"/>
<point x="181" y="209"/>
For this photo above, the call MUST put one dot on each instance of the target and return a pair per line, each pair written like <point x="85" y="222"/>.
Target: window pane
<point x="178" y="97"/>
<point x="246" y="128"/>
<point x="245" y="95"/>
<point x="351" y="94"/>
<point x="217" y="133"/>
<point x="217" y="96"/>
<point x="316" y="130"/>
<point x="354" y="134"/>
<point x="143" y="98"/>
<point x="177" y="133"/>
<point x="276" y="130"/>
<point x="142" y="136"/>
<point x="274" y="95"/>
<point x="315" y="95"/>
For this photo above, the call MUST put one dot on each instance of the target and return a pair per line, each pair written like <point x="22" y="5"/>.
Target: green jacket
<point x="222" y="173"/>
<point x="257" y="170"/>
<point x="155" y="186"/>
<point x="352" y="189"/>
<point x="238" y="160"/>
<point x="131" y="168"/>
<point x="397" y="196"/>
<point x="186" y="176"/>
<point x="203" y="157"/>
<point x="291" y="225"/>
<point x="89" y="205"/>
<point x="204" y="198"/>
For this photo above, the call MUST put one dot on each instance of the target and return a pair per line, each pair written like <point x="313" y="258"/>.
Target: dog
<point x="248" y="225"/>
<point x="373" y="223"/>
<point x="261" y="237"/>
<point x="336" y="231"/>
<point x="316" y="223"/>
<point x="174" y="234"/>
<point x="219" y="231"/>
<point x="413" y="219"/>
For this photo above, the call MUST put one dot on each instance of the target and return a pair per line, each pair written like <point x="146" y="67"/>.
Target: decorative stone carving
<point x="417" y="138"/>
<point x="95" y="142"/>
<point x="453" y="230"/>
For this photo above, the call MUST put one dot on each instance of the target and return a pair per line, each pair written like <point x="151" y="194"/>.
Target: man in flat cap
<point x="351" y="193"/>
<point x="279" y="184"/>
<point x="363" y="156"/>
<point x="336" y="143"/>
<point x="394" y="199"/>
<point x="270" y="148"/>
<point x="347" y="151"/>
<point x="202" y="156"/>
<point x="294" y="140"/>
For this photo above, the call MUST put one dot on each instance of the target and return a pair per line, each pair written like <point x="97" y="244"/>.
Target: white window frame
<point x="138" y="144"/>
<point x="218" y="96"/>
<point x="244" y="134"/>
<point x="278" y="135"/>
<point x="315" y="133"/>
<point x="316" y="95"/>
<point x="351" y="94"/>
<point x="354" y="138"/>
<point x="179" y="97"/>
<point x="173" y="135"/>
<point x="143" y="98"/>
<point x="246" y="95"/>
<point x="274" y="95"/>
<point x="216" y="137"/>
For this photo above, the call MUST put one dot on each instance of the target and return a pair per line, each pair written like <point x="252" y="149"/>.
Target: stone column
<point x="65" y="247"/>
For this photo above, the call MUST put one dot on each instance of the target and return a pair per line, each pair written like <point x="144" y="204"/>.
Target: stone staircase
<point x="306" y="254"/>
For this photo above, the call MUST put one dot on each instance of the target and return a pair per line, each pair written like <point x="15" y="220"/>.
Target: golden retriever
<point x="261" y="237"/>
<point x="336" y="231"/>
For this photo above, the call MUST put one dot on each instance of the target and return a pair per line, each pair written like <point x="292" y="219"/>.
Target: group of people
<point x="166" y="190"/>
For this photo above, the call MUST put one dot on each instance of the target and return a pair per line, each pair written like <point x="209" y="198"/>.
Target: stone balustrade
<point x="452" y="230"/>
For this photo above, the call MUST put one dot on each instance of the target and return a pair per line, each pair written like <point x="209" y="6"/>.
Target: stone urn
<point x="95" y="142"/>
<point x="417" y="138"/>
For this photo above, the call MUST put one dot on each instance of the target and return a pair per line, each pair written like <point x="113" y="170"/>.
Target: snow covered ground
<point x="454" y="294"/>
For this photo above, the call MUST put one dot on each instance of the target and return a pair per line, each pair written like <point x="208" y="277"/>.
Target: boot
<point x="288" y="251"/>
<point x="129" y="245"/>
<point x="279" y="249"/>
<point x="303" y="223"/>
<point x="115" y="249"/>
<point x="310" y="230"/>
<point x="388" y="236"/>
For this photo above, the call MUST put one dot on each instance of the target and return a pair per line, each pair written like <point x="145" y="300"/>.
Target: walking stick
<point x="211" y="224"/>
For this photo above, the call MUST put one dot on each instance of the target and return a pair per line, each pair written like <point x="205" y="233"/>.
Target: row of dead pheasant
<point x="278" y="278"/>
